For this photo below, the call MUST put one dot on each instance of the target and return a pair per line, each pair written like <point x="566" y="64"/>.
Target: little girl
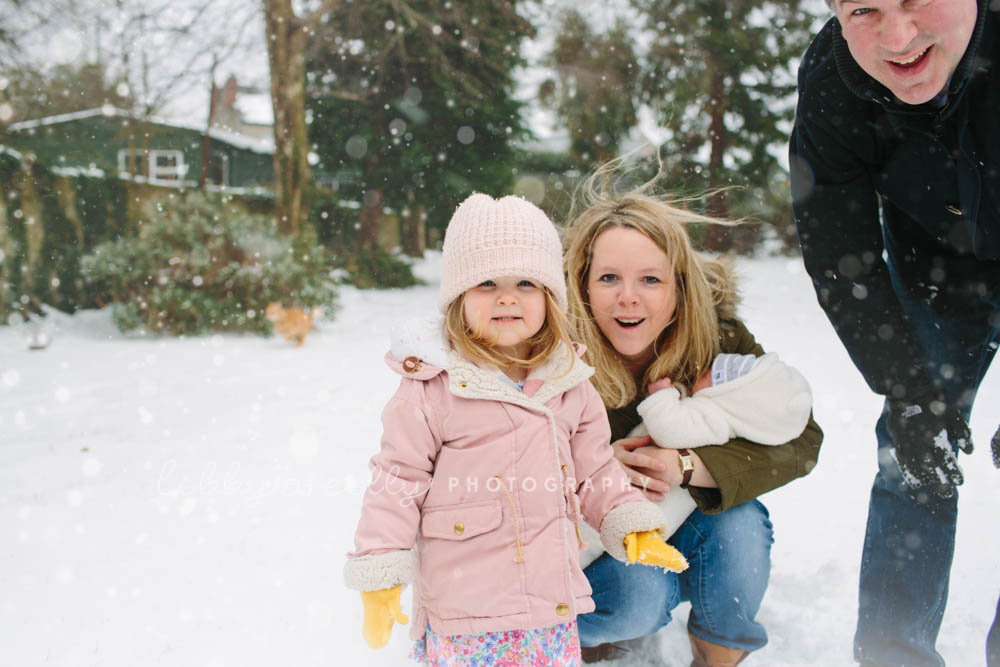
<point x="493" y="446"/>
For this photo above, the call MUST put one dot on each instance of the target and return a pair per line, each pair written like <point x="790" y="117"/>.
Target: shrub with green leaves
<point x="377" y="269"/>
<point x="199" y="264"/>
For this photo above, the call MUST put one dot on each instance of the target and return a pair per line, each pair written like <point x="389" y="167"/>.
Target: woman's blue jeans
<point x="730" y="561"/>
<point x="910" y="538"/>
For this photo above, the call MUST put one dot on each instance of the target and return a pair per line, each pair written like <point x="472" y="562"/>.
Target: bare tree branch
<point x="313" y="20"/>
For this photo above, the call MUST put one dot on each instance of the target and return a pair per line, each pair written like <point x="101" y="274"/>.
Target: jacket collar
<point x="864" y="86"/>
<point x="468" y="380"/>
<point x="419" y="352"/>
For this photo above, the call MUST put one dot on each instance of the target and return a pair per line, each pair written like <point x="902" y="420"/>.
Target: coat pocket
<point x="461" y="522"/>
<point x="465" y="552"/>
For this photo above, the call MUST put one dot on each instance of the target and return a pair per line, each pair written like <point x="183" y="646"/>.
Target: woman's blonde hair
<point x="476" y="348"/>
<point x="686" y="347"/>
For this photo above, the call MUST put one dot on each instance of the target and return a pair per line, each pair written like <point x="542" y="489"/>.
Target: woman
<point x="648" y="307"/>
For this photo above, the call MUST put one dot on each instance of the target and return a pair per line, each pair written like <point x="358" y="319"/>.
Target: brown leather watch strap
<point x="687" y="466"/>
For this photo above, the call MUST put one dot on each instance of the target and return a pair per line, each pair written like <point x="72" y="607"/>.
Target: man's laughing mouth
<point x="912" y="62"/>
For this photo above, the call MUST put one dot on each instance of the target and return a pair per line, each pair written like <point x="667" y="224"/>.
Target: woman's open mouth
<point x="629" y="323"/>
<point x="910" y="63"/>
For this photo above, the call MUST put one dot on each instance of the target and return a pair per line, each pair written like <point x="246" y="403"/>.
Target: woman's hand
<point x="644" y="468"/>
<point x="669" y="473"/>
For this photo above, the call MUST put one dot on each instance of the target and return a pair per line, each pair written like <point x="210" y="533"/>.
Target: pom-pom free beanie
<point x="494" y="238"/>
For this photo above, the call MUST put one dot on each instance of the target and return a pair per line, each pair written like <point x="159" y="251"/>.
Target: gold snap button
<point x="459" y="528"/>
<point x="411" y="364"/>
<point x="463" y="385"/>
<point x="562" y="608"/>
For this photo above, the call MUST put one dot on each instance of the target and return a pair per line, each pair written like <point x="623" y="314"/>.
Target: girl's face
<point x="507" y="311"/>
<point x="632" y="293"/>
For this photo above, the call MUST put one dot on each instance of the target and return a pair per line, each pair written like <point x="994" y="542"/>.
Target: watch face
<point x="687" y="463"/>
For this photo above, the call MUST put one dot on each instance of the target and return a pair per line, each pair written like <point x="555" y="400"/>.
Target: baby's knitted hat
<point x="492" y="238"/>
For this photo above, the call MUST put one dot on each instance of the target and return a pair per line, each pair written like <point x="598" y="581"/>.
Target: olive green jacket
<point x="742" y="469"/>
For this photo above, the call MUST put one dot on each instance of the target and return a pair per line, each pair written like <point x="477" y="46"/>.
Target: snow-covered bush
<point x="198" y="264"/>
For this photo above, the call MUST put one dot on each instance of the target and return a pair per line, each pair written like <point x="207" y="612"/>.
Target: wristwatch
<point x="686" y="464"/>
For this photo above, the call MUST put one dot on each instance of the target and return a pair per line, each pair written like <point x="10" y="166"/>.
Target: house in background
<point x="153" y="150"/>
<point x="244" y="111"/>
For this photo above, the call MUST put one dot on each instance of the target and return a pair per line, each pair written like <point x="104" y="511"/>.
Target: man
<point x="895" y="163"/>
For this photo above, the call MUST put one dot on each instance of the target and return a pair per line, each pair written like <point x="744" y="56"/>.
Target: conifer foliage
<point x="412" y="103"/>
<point x="720" y="75"/>
<point x="595" y="88"/>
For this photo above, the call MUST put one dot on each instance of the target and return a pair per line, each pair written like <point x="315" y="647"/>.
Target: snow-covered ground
<point x="189" y="502"/>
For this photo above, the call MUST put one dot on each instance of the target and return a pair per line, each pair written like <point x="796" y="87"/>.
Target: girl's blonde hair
<point x="686" y="347"/>
<point x="555" y="330"/>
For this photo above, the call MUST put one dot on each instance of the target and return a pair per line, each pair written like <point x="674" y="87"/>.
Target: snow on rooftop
<point x="238" y="140"/>
<point x="255" y="108"/>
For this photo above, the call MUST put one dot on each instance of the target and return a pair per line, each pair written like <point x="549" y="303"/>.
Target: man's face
<point x="911" y="47"/>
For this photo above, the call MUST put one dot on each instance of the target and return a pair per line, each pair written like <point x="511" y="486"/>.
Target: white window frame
<point x="123" y="160"/>
<point x="173" y="173"/>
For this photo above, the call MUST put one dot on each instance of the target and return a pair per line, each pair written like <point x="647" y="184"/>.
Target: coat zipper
<point x="572" y="504"/>
<point x="517" y="528"/>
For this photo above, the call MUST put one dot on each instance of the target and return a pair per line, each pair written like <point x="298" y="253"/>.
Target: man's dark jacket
<point x="934" y="172"/>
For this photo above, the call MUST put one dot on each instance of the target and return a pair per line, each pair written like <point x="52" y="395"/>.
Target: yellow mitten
<point x="381" y="609"/>
<point x="648" y="548"/>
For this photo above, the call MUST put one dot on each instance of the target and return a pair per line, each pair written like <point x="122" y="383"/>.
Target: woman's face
<point x="632" y="293"/>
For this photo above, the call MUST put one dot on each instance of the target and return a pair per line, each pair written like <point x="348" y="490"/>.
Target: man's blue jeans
<point x="730" y="561"/>
<point x="909" y="542"/>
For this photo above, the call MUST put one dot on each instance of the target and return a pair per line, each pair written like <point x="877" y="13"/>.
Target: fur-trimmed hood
<point x="727" y="308"/>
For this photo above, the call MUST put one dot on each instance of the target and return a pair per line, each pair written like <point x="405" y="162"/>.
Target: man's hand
<point x="925" y="433"/>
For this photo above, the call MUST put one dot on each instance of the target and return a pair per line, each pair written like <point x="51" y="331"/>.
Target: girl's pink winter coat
<point x="477" y="492"/>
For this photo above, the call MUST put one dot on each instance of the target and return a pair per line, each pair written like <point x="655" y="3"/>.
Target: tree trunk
<point x="371" y="209"/>
<point x="206" y="141"/>
<point x="414" y="231"/>
<point x="717" y="236"/>
<point x="286" y="41"/>
<point x="371" y="213"/>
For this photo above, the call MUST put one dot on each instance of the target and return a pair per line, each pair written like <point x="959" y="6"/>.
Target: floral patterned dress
<point x="557" y="645"/>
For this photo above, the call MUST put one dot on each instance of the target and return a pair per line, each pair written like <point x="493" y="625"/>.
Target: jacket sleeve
<point x="836" y="209"/>
<point x="743" y="469"/>
<point x="401" y="475"/>
<point x="673" y="421"/>
<point x="770" y="405"/>
<point x="607" y="498"/>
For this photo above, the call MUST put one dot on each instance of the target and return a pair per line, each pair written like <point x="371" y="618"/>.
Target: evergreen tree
<point x="594" y="90"/>
<point x="720" y="74"/>
<point x="412" y="105"/>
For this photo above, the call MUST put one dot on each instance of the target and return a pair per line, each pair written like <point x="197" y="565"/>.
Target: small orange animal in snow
<point x="292" y="323"/>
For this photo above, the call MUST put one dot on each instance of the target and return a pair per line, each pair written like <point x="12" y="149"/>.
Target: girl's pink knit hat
<point x="493" y="238"/>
